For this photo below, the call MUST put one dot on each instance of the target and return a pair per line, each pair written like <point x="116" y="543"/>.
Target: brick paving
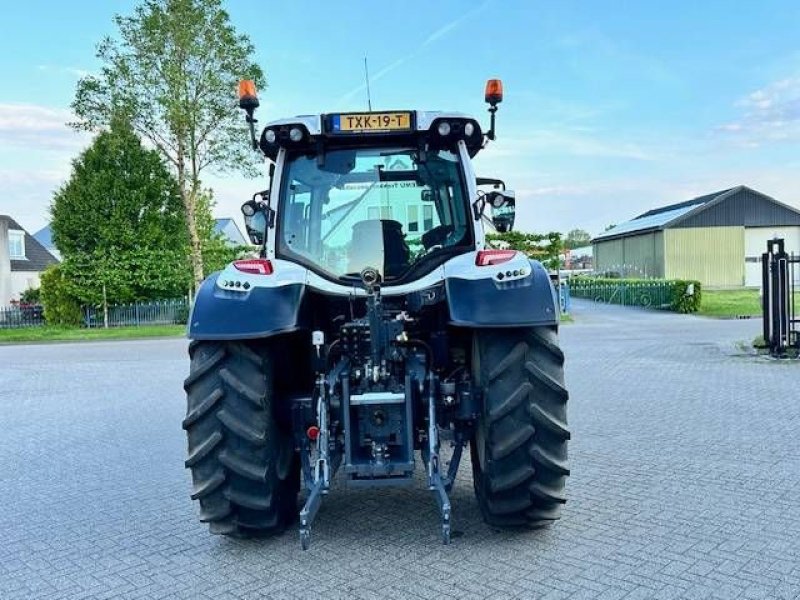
<point x="685" y="484"/>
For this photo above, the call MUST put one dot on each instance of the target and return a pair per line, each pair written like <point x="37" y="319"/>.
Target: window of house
<point x="379" y="212"/>
<point x="413" y="218"/>
<point x="427" y="217"/>
<point x="16" y="244"/>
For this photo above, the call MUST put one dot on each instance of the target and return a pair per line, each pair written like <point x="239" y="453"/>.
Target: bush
<point x="686" y="296"/>
<point x="31" y="296"/>
<point x="61" y="306"/>
<point x="182" y="315"/>
<point x="673" y="294"/>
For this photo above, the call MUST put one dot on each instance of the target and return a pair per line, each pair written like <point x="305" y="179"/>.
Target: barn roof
<point x="686" y="213"/>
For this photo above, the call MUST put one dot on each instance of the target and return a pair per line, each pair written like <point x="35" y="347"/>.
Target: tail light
<point x="254" y="266"/>
<point x="486" y="258"/>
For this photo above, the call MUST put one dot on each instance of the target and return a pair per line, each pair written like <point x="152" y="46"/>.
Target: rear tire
<point x="519" y="451"/>
<point x="244" y="468"/>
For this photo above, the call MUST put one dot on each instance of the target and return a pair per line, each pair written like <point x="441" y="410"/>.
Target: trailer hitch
<point x="435" y="482"/>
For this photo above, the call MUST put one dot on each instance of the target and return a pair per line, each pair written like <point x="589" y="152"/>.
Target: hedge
<point x="678" y="295"/>
<point x="61" y="307"/>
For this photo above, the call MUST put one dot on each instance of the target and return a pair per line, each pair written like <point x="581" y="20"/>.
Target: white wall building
<point x="22" y="259"/>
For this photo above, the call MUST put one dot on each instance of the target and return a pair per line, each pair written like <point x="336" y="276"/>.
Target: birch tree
<point x="171" y="71"/>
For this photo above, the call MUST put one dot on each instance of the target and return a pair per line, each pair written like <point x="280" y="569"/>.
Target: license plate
<point x="371" y="122"/>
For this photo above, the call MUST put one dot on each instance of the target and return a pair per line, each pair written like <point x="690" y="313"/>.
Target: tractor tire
<point x="244" y="468"/>
<point x="519" y="450"/>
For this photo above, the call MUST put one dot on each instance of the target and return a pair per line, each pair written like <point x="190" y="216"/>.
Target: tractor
<point x="373" y="327"/>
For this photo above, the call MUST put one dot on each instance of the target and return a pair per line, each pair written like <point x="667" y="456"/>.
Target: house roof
<point x="45" y="237"/>
<point x="37" y="257"/>
<point x="670" y="215"/>
<point x="229" y="230"/>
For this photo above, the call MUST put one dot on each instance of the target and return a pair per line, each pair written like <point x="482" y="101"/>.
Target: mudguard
<point x="526" y="302"/>
<point x="220" y="314"/>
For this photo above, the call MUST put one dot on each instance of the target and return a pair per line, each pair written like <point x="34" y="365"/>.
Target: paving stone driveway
<point x="685" y="483"/>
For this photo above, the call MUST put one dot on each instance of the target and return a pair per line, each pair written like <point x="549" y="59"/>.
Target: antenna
<point x="366" y="78"/>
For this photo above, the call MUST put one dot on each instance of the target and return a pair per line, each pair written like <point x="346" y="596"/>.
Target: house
<point x="716" y="239"/>
<point x="230" y="232"/>
<point x="22" y="259"/>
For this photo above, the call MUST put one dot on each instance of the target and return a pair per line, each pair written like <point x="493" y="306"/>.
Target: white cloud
<point x="75" y="72"/>
<point x="38" y="127"/>
<point x="770" y="114"/>
<point x="27" y="193"/>
<point x="572" y="142"/>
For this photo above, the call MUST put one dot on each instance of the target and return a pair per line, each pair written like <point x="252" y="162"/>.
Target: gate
<point x="779" y="274"/>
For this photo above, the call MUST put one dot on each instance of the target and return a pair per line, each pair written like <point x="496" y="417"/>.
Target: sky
<point x="611" y="107"/>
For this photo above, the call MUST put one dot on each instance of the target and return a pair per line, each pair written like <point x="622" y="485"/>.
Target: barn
<point x="716" y="239"/>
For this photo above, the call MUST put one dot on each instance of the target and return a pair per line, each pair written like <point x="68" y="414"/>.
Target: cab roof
<point x="345" y="129"/>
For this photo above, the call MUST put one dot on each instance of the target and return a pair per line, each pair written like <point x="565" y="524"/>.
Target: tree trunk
<point x="105" y="308"/>
<point x="189" y="198"/>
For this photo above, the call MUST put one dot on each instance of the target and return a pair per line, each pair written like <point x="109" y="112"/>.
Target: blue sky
<point x="611" y="108"/>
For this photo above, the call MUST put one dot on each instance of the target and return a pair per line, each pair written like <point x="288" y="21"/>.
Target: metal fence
<point x="779" y="272"/>
<point x="18" y="316"/>
<point x="163" y="312"/>
<point x="652" y="293"/>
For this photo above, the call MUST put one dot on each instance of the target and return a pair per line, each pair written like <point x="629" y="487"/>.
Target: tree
<point x="172" y="72"/>
<point x="577" y="238"/>
<point x="544" y="247"/>
<point x="119" y="223"/>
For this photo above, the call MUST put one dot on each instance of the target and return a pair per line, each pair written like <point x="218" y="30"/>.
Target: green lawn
<point x="730" y="303"/>
<point x="61" y="334"/>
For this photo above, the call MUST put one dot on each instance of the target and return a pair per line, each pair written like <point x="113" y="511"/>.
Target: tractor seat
<point x="379" y="243"/>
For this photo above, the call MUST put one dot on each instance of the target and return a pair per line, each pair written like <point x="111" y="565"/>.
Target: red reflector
<point x="487" y="258"/>
<point x="256" y="266"/>
<point x="312" y="433"/>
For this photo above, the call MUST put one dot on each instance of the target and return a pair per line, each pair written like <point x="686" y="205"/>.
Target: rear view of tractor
<point x="374" y="327"/>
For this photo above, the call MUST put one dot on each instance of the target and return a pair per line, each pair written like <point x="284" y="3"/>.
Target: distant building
<point x="22" y="259"/>
<point x="716" y="239"/>
<point x="578" y="259"/>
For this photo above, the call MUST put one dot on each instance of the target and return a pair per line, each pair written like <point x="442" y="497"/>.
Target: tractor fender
<point x="524" y="301"/>
<point x="220" y="314"/>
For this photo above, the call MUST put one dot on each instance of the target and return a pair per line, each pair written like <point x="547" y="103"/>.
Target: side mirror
<point x="255" y="221"/>
<point x="504" y="207"/>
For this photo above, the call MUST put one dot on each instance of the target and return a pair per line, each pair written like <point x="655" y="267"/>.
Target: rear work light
<point x="486" y="258"/>
<point x="254" y="266"/>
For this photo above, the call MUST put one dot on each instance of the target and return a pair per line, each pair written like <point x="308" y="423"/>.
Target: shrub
<point x="686" y="296"/>
<point x="673" y="294"/>
<point x="61" y="306"/>
<point x="31" y="296"/>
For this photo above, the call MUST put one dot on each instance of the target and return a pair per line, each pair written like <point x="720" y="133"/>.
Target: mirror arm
<point x="251" y="121"/>
<point x="479" y="205"/>
<point x="490" y="135"/>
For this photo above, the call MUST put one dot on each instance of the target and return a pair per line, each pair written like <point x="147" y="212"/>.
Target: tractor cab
<point x="392" y="190"/>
